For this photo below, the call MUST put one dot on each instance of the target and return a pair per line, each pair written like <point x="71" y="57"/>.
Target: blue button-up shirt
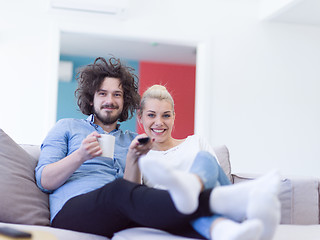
<point x="66" y="137"/>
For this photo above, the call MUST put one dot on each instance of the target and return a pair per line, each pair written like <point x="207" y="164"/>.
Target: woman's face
<point x="157" y="119"/>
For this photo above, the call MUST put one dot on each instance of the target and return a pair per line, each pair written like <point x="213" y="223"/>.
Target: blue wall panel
<point x="67" y="104"/>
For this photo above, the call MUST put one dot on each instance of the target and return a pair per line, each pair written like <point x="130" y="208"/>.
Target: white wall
<point x="29" y="53"/>
<point x="261" y="79"/>
<point x="265" y="94"/>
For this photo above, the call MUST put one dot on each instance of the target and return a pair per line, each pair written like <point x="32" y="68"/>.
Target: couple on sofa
<point x="185" y="191"/>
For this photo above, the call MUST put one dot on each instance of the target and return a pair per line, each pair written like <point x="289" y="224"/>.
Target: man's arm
<point x="55" y="174"/>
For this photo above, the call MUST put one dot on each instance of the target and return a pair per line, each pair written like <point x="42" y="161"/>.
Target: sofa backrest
<point x="299" y="197"/>
<point x="221" y="152"/>
<point x="33" y="150"/>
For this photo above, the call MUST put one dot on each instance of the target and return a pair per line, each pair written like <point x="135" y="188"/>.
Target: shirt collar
<point x="91" y="120"/>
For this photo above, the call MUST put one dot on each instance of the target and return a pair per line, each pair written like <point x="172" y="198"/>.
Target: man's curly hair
<point x="91" y="77"/>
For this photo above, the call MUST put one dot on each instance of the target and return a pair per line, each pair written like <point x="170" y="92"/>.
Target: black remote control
<point x="14" y="233"/>
<point x="143" y="140"/>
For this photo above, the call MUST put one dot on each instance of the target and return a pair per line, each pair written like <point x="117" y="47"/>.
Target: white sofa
<point x="24" y="206"/>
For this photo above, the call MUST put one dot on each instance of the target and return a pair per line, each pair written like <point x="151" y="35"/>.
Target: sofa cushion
<point x="285" y="195"/>
<point x="305" y="200"/>
<point x="21" y="200"/>
<point x="297" y="232"/>
<point x="144" y="233"/>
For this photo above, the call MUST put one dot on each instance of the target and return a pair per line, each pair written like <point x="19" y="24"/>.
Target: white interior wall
<point x="261" y="79"/>
<point x="29" y="53"/>
<point x="265" y="95"/>
<point x="267" y="98"/>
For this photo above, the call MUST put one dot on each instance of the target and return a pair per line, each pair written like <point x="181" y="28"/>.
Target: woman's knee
<point x="208" y="155"/>
<point x="209" y="158"/>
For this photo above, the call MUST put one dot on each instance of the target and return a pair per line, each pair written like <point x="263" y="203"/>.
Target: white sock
<point x="230" y="230"/>
<point x="265" y="206"/>
<point x="232" y="200"/>
<point x="184" y="187"/>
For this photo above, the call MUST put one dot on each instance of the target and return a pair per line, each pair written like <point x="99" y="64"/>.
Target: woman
<point x="186" y="167"/>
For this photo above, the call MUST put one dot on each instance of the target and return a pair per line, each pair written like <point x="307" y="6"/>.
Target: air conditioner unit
<point x="112" y="7"/>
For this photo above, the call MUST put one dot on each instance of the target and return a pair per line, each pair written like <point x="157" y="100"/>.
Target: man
<point x="87" y="192"/>
<point x="100" y="95"/>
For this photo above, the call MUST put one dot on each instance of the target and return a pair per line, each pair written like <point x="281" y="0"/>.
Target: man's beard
<point x="106" y="120"/>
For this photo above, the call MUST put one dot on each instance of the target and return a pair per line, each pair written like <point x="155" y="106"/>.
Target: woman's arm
<point x="132" y="172"/>
<point x="55" y="174"/>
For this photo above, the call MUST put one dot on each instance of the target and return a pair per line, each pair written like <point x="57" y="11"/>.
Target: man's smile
<point x="109" y="107"/>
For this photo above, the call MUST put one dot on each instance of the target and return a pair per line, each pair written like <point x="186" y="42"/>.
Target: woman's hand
<point x="136" y="150"/>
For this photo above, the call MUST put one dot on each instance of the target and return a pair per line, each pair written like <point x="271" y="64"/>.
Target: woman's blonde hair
<point x="156" y="92"/>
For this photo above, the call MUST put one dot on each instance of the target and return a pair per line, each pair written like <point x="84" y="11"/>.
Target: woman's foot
<point x="183" y="187"/>
<point x="233" y="200"/>
<point x="267" y="208"/>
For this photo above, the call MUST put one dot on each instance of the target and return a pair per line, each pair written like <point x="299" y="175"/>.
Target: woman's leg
<point x="232" y="201"/>
<point x="122" y="204"/>
<point x="219" y="228"/>
<point x="203" y="225"/>
<point x="208" y="169"/>
<point x="185" y="187"/>
<point x="240" y="196"/>
<point x="257" y="200"/>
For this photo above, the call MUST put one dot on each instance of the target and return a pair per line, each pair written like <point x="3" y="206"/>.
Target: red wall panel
<point x="180" y="82"/>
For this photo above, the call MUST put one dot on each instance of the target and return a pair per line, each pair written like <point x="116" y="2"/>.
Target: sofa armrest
<point x="299" y="198"/>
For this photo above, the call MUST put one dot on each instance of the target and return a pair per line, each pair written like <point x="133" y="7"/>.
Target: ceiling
<point x="97" y="45"/>
<point x="295" y="11"/>
<point x="304" y="12"/>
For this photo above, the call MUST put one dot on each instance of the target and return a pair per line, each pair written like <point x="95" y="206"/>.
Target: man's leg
<point x="122" y="204"/>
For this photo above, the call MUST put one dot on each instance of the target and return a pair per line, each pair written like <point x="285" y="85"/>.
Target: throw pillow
<point x="21" y="200"/>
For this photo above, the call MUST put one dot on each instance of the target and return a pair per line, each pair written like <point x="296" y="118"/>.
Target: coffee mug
<point x="106" y="143"/>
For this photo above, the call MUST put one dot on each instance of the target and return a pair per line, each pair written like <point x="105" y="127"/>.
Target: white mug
<point x="106" y="143"/>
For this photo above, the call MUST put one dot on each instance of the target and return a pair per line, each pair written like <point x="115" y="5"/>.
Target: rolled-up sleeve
<point x="53" y="149"/>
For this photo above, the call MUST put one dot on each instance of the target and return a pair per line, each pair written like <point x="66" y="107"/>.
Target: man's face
<point x="108" y="101"/>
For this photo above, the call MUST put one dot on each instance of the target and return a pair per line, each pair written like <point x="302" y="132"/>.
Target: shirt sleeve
<point x="53" y="149"/>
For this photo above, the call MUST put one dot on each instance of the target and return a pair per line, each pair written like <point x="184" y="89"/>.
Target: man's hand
<point x="55" y="174"/>
<point x="90" y="147"/>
